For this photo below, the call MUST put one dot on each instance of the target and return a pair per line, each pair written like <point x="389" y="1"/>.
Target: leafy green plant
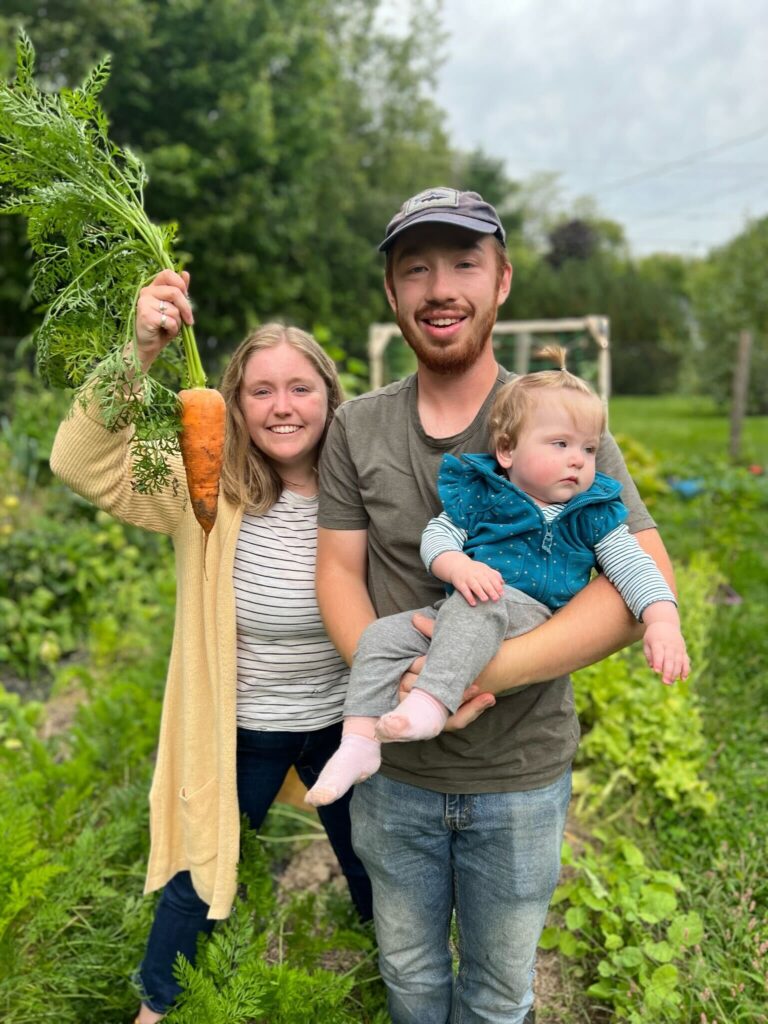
<point x="643" y="755"/>
<point x="644" y="468"/>
<point x="643" y="742"/>
<point x="264" y="965"/>
<point x="95" y="248"/>
<point x="716" y="857"/>
<point x="65" y="581"/>
<point x="623" y="919"/>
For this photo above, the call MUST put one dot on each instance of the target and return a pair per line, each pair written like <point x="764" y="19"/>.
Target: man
<point x="471" y="821"/>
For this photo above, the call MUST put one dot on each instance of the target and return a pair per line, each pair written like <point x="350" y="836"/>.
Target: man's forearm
<point x="342" y="593"/>
<point x="593" y="625"/>
<point x="346" y="611"/>
<point x="590" y="627"/>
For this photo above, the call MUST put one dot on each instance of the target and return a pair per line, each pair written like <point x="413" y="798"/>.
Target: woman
<point x="254" y="685"/>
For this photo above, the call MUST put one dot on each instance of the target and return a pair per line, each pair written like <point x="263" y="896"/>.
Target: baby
<point x="536" y="518"/>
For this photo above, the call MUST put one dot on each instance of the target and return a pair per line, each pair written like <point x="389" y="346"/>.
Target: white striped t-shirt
<point x="289" y="675"/>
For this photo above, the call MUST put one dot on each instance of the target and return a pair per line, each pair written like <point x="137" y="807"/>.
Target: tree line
<point x="281" y="135"/>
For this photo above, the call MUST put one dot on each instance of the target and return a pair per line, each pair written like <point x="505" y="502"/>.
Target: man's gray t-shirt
<point x="378" y="472"/>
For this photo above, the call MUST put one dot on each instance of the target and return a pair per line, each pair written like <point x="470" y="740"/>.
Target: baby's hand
<point x="665" y="652"/>
<point x="477" y="580"/>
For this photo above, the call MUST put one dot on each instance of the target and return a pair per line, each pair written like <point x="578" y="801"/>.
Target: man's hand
<point x="473" y="702"/>
<point x="470" y="709"/>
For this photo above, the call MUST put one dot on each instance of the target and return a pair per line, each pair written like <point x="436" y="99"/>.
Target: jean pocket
<point x="200" y="821"/>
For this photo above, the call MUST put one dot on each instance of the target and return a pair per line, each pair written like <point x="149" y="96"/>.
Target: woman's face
<point x="285" y="404"/>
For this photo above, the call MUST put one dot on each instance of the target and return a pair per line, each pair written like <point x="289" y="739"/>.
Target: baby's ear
<point x="504" y="456"/>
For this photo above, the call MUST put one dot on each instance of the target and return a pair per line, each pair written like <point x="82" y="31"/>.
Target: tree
<point x="587" y="270"/>
<point x="571" y="240"/>
<point x="730" y="294"/>
<point x="281" y="134"/>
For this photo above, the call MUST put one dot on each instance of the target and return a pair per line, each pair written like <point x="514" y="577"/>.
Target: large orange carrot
<point x="203" y="416"/>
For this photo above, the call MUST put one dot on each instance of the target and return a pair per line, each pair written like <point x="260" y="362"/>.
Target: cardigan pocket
<point x="200" y="821"/>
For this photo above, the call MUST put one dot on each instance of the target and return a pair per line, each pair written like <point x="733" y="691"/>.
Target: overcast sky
<point x="656" y="108"/>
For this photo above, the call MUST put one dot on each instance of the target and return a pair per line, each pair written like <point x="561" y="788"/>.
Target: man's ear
<point x="505" y="285"/>
<point x="390" y="295"/>
<point x="504" y="457"/>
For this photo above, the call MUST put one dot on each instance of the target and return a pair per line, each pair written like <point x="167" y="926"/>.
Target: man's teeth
<point x="444" y="322"/>
<point x="285" y="429"/>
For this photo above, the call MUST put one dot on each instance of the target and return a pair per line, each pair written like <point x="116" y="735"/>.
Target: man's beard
<point x="451" y="359"/>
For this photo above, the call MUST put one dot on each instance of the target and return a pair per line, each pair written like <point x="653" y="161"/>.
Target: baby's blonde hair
<point x="514" y="401"/>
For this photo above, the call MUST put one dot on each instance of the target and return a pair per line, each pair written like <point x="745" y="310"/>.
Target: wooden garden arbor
<point x="595" y="327"/>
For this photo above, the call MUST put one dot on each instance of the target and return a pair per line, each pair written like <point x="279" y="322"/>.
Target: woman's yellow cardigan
<point x="194" y="816"/>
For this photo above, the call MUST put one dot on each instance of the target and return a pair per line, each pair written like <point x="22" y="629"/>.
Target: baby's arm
<point x="441" y="552"/>
<point x="645" y="591"/>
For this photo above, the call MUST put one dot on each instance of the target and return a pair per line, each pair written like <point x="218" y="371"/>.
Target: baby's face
<point x="554" y="458"/>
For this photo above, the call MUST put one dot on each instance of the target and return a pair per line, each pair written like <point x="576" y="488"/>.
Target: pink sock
<point x="360" y="725"/>
<point x="356" y="759"/>
<point x="419" y="717"/>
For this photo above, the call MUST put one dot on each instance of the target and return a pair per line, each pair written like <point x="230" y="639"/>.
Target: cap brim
<point x="482" y="227"/>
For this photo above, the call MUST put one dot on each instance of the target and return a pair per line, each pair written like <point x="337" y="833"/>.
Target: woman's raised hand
<point x="160" y="311"/>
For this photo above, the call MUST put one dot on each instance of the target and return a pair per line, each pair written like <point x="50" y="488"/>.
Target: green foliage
<point x="24" y="868"/>
<point x="626" y="916"/>
<point x="73" y="577"/>
<point x="643" y="755"/>
<point x="644" y="469"/>
<point x="76" y="801"/>
<point x="281" y="135"/>
<point x="643" y="743"/>
<point x="73" y="925"/>
<point x="242" y="974"/>
<point x="95" y="248"/>
<point x="648" y="319"/>
<point x="712" y="862"/>
<point x="26" y="434"/>
<point x="280" y="961"/>
<point x="65" y="581"/>
<point x="730" y="294"/>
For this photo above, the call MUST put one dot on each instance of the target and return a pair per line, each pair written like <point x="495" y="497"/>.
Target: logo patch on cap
<point x="432" y="197"/>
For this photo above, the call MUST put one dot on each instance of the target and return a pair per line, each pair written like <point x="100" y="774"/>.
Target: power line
<point x="674" y="165"/>
<point x="712" y="197"/>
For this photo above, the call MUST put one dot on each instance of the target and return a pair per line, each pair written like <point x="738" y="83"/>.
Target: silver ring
<point x="163" y="321"/>
<point x="163" y="305"/>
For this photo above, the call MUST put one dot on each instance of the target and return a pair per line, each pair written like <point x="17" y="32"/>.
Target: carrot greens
<point x="95" y="248"/>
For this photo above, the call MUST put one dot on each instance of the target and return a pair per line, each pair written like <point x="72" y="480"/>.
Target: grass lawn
<point x="673" y="426"/>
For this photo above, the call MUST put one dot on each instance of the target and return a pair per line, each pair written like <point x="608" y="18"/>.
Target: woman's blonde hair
<point x="516" y="398"/>
<point x="248" y="478"/>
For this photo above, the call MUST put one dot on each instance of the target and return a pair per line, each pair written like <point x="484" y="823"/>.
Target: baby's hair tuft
<point x="516" y="398"/>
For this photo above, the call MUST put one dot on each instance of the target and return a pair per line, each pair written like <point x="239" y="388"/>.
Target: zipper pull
<point x="546" y="544"/>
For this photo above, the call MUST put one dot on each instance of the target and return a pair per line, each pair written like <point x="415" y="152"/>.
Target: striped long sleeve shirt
<point x="631" y="570"/>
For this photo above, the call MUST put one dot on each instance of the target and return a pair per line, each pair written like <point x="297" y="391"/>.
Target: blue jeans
<point x="495" y="859"/>
<point x="263" y="760"/>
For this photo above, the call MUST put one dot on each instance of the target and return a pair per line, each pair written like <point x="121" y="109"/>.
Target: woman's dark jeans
<point x="263" y="760"/>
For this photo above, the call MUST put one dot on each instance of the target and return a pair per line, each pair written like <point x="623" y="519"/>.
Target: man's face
<point x="446" y="287"/>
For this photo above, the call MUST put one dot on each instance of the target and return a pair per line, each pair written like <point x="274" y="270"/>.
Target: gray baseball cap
<point x="445" y="206"/>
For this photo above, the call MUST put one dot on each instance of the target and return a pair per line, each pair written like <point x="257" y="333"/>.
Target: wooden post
<point x="522" y="353"/>
<point x="740" y="390"/>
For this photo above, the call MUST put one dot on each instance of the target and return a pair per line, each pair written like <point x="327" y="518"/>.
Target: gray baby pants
<point x="465" y="639"/>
